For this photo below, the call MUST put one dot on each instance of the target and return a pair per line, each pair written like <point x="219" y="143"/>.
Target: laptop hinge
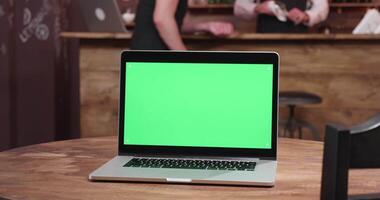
<point x="268" y="158"/>
<point x="191" y="156"/>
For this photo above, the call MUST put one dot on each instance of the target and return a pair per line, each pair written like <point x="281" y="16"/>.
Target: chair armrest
<point x="371" y="124"/>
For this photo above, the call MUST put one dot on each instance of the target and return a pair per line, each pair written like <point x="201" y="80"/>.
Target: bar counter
<point x="342" y="68"/>
<point x="236" y="36"/>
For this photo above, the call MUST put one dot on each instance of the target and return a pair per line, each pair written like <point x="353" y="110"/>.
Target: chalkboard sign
<point x="5" y="126"/>
<point x="37" y="51"/>
<point x="39" y="91"/>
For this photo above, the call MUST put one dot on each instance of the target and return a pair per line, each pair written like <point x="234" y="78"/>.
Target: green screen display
<point x="198" y="105"/>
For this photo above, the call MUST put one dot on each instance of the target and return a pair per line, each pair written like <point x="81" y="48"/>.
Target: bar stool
<point x="292" y="99"/>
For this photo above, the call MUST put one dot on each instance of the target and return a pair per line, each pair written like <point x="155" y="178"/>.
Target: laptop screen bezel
<point x="199" y="57"/>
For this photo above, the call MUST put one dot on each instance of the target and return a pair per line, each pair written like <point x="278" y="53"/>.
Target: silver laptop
<point x="196" y="117"/>
<point x="102" y="16"/>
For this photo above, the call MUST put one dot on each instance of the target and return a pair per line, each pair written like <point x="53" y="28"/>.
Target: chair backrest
<point x="348" y="148"/>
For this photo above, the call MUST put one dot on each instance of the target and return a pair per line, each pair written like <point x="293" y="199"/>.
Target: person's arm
<point x="164" y="20"/>
<point x="245" y="9"/>
<point x="248" y="9"/>
<point x="216" y="28"/>
<point x="318" y="12"/>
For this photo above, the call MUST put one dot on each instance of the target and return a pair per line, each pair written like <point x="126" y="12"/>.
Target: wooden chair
<point x="344" y="148"/>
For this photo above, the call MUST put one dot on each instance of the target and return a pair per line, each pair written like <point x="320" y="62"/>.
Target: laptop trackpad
<point x="174" y="175"/>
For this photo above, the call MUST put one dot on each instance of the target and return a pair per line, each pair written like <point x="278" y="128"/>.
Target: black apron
<point x="145" y="35"/>
<point x="270" y="24"/>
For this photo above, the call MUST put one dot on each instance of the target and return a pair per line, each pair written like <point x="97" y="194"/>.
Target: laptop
<point x="102" y="16"/>
<point x="196" y="117"/>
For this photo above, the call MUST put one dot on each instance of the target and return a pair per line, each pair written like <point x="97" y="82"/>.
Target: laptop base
<point x="263" y="175"/>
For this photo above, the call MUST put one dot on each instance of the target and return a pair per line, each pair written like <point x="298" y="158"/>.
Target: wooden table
<point x="59" y="170"/>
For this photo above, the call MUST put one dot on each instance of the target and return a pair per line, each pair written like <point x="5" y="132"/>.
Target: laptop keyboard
<point x="191" y="164"/>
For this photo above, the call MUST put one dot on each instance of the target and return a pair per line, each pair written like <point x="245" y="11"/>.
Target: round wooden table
<point x="59" y="170"/>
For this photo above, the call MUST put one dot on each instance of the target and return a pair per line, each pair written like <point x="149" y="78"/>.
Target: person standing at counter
<point x="159" y="25"/>
<point x="283" y="16"/>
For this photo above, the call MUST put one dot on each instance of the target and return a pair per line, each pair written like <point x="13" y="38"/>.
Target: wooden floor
<point x="345" y="73"/>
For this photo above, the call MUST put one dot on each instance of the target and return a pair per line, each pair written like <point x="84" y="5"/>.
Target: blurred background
<point x="59" y="70"/>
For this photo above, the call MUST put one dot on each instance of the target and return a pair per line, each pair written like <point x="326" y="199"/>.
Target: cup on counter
<point x="129" y="17"/>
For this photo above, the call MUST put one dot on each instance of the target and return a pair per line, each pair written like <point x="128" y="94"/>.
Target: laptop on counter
<point x="196" y="117"/>
<point x="102" y="16"/>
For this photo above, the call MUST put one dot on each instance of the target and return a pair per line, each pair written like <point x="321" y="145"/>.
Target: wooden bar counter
<point x="342" y="68"/>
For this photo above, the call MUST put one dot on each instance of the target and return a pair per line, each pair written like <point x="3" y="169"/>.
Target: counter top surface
<point x="59" y="170"/>
<point x="236" y="36"/>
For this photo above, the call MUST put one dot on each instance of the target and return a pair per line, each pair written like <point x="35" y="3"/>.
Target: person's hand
<point x="220" y="29"/>
<point x="297" y="16"/>
<point x="263" y="8"/>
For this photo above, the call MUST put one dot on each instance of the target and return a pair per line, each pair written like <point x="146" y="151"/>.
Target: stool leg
<point x="287" y="128"/>
<point x="281" y="128"/>
<point x="292" y="120"/>
<point x="290" y="124"/>
<point x="300" y="134"/>
<point x="311" y="128"/>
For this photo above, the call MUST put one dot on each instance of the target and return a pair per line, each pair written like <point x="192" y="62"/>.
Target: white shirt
<point x="317" y="13"/>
